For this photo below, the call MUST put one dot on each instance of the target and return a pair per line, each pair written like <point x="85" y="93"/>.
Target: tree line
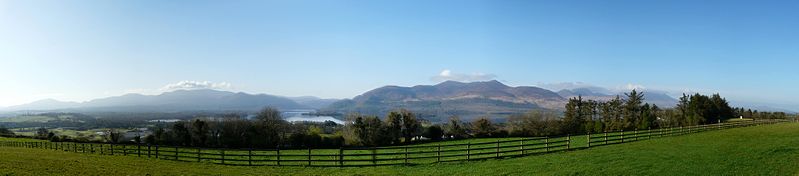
<point x="266" y="130"/>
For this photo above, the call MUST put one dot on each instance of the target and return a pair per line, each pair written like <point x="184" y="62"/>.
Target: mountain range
<point x="434" y="102"/>
<point x="660" y="99"/>
<point x="179" y="100"/>
<point x="489" y="98"/>
<point x="469" y="100"/>
<point x="452" y="98"/>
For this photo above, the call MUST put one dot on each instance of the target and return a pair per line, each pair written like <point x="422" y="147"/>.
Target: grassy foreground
<point x="761" y="150"/>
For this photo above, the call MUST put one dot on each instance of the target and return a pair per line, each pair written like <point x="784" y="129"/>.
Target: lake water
<point x="297" y="115"/>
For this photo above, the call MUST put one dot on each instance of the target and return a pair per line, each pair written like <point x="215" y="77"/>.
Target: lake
<point x="300" y="115"/>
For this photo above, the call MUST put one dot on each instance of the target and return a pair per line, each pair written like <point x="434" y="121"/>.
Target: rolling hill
<point x="175" y="101"/>
<point x="468" y="100"/>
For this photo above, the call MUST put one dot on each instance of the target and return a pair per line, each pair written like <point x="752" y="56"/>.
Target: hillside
<point x="175" y="101"/>
<point x="452" y="98"/>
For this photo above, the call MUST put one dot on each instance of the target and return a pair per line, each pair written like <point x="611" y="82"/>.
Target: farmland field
<point x="31" y="118"/>
<point x="760" y="150"/>
<point x="89" y="134"/>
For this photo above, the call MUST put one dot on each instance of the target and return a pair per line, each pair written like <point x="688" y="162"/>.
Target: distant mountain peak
<point x="43" y="104"/>
<point x="452" y="98"/>
<point x="652" y="97"/>
<point x="175" y="101"/>
<point x="451" y="82"/>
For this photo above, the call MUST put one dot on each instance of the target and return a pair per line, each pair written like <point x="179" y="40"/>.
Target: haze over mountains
<point x="179" y="100"/>
<point x="491" y="98"/>
<point x="652" y="97"/>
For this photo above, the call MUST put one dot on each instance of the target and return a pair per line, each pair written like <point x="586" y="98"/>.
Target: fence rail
<point x="378" y="156"/>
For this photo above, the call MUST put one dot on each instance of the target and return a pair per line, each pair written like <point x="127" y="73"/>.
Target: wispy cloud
<point x="448" y="75"/>
<point x="192" y="85"/>
<point x="631" y="86"/>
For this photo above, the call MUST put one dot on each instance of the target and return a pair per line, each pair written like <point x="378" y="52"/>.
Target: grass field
<point x="35" y="118"/>
<point x="31" y="118"/>
<point x="89" y="134"/>
<point x="760" y="150"/>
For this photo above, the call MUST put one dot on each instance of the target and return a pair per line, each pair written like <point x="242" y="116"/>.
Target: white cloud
<point x="630" y="86"/>
<point x="448" y="75"/>
<point x="191" y="85"/>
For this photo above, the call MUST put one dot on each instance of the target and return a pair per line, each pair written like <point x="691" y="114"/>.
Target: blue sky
<point x="79" y="50"/>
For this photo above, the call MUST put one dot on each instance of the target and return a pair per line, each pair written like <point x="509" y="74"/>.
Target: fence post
<point x="649" y="133"/>
<point x="148" y="150"/>
<point x="176" y="154"/>
<point x="497" y="148"/>
<point x="112" y="148"/>
<point x="92" y="147"/>
<point x="200" y="157"/>
<point x="223" y="155"/>
<point x="278" y="155"/>
<point x="138" y="149"/>
<point x="102" y="147"/>
<point x="156" y="151"/>
<point x="546" y="143"/>
<point x="438" y="153"/>
<point x="521" y="146"/>
<point x="341" y="156"/>
<point x="249" y="156"/>
<point x="606" y="137"/>
<point x="589" y="139"/>
<point x="309" y="156"/>
<point x="83" y="147"/>
<point x="468" y="150"/>
<point x="374" y="156"/>
<point x="568" y="141"/>
<point x="635" y="134"/>
<point x="406" y="155"/>
<point x="622" y="135"/>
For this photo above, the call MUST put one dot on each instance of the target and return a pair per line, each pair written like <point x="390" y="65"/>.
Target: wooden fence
<point x="378" y="156"/>
<point x="617" y="137"/>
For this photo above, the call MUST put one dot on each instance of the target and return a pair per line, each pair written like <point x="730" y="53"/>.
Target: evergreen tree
<point x="410" y="125"/>
<point x="682" y="107"/>
<point x="199" y="132"/>
<point x="394" y="126"/>
<point x="632" y="109"/>
<point x="573" y="119"/>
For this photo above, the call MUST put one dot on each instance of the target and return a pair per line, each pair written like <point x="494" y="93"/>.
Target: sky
<point x="79" y="50"/>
